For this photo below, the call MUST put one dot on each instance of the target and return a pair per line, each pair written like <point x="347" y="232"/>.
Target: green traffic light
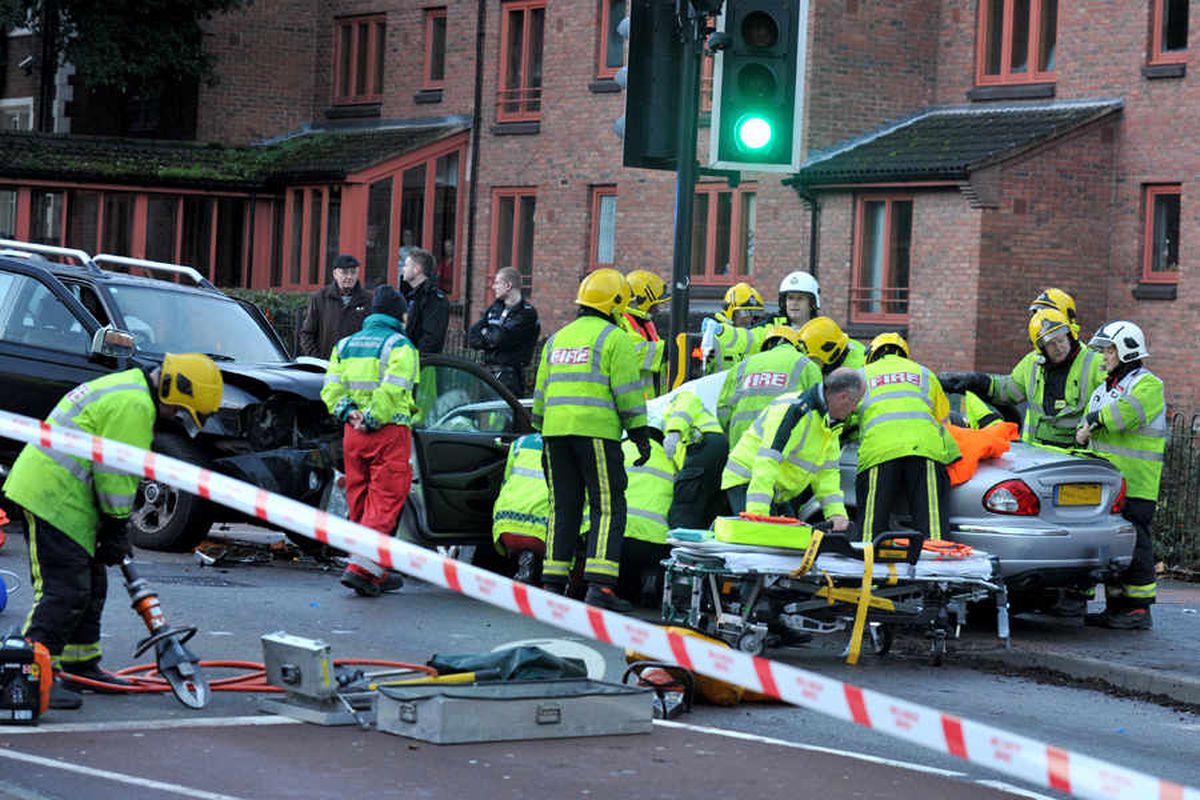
<point x="753" y="132"/>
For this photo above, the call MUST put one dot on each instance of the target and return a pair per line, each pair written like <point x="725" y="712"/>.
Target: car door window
<point x="32" y="315"/>
<point x="451" y="398"/>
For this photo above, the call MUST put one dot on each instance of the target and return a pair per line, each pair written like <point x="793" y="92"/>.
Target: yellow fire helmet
<point x="1058" y="299"/>
<point x="782" y="333"/>
<point x="884" y="343"/>
<point x="824" y="340"/>
<point x="192" y="382"/>
<point x="1047" y="322"/>
<point x="742" y="297"/>
<point x="647" y="291"/>
<point x="605" y="290"/>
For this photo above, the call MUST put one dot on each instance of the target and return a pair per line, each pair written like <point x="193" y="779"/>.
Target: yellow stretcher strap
<point x="837" y="595"/>
<point x="864" y="601"/>
<point x="810" y="554"/>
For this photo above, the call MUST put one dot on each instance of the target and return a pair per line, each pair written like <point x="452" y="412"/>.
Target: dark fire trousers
<point x="579" y="466"/>
<point x="1140" y="572"/>
<point x="922" y="481"/>
<point x="69" y="588"/>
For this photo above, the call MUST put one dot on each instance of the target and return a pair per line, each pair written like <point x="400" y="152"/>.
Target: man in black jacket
<point x="508" y="332"/>
<point x="335" y="311"/>
<point x="428" y="308"/>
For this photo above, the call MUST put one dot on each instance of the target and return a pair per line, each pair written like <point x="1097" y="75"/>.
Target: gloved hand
<point x="112" y="541"/>
<point x="671" y="444"/>
<point x="709" y="327"/>
<point x="959" y="382"/>
<point x="641" y="439"/>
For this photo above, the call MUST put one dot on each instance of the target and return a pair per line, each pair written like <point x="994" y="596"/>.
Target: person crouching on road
<point x="794" y="445"/>
<point x="77" y="511"/>
<point x="369" y="387"/>
<point x="1126" y="423"/>
<point x="588" y="388"/>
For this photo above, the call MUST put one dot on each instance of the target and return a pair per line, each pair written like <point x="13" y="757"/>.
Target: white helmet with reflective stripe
<point x="1123" y="335"/>
<point x="800" y="281"/>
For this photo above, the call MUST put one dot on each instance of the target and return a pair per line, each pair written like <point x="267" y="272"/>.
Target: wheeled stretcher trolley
<point x="755" y="596"/>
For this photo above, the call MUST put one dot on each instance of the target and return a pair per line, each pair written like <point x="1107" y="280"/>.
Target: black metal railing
<point x="1177" y="519"/>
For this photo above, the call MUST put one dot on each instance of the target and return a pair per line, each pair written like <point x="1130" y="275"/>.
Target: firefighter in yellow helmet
<point x="733" y="333"/>
<point x="826" y="342"/>
<point x="589" y="390"/>
<point x="1058" y="299"/>
<point x="647" y="294"/>
<point x="77" y="511"/>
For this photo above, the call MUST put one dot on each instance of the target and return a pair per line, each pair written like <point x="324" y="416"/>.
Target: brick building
<point x="960" y="156"/>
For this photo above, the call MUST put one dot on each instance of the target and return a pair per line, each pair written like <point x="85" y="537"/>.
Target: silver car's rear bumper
<point x="1059" y="556"/>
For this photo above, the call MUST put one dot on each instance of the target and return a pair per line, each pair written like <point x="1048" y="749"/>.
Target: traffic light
<point x="758" y="86"/>
<point x="651" y="80"/>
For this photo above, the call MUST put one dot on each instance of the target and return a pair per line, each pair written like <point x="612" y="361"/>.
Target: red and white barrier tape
<point x="1018" y="756"/>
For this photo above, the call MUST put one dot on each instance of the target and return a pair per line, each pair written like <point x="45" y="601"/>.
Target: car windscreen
<point x="187" y="322"/>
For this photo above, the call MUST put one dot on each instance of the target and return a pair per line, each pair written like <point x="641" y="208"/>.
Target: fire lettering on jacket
<point x="765" y="380"/>
<point x="570" y="355"/>
<point x="890" y="378"/>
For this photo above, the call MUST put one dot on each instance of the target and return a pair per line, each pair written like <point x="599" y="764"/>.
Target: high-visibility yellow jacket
<point x="687" y="416"/>
<point x="734" y="343"/>
<point x="1026" y="383"/>
<point x="650" y="350"/>
<point x="68" y="492"/>
<point x="903" y="413"/>
<point x="523" y="504"/>
<point x="974" y="411"/>
<point x="648" y="498"/>
<point x="374" y="371"/>
<point x="856" y="355"/>
<point x="1133" y="435"/>
<point x="588" y="382"/>
<point x="755" y="382"/>
<point x="790" y="446"/>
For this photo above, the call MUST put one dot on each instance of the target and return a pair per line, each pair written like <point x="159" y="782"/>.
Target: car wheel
<point x="165" y="518"/>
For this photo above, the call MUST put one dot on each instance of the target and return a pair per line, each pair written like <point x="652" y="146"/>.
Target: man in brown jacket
<point x="335" y="311"/>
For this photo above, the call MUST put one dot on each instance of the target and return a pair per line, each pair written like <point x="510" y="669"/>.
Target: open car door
<point x="465" y="424"/>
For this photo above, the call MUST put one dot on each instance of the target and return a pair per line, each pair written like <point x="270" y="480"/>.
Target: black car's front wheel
<point x="165" y="518"/>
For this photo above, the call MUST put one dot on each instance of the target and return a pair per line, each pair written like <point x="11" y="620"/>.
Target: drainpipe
<point x="814" y="225"/>
<point x="473" y="192"/>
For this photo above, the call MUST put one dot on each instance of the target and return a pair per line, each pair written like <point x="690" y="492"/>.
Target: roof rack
<point x="154" y="266"/>
<point x="46" y="249"/>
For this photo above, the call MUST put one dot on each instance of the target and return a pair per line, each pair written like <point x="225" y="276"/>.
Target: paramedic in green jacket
<point x="77" y="511"/>
<point x="792" y="446"/>
<point x="651" y="489"/>
<point x="522" y="508"/>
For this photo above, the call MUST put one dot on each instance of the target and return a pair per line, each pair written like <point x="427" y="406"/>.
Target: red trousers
<point x="378" y="475"/>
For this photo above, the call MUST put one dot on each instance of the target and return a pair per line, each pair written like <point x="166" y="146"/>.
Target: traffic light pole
<point x="685" y="177"/>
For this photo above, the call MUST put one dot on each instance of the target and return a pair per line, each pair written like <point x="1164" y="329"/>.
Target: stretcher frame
<point x="757" y="608"/>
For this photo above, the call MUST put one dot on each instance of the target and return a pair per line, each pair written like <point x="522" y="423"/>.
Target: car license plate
<point x="1078" y="494"/>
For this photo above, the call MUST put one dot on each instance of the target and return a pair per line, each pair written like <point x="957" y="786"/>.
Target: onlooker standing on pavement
<point x="1126" y="423"/>
<point x="334" y="311"/>
<point x="507" y="332"/>
<point x="428" y="308"/>
<point x="369" y="387"/>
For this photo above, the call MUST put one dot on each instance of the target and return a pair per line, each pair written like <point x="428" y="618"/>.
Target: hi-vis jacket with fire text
<point x="903" y="414"/>
<point x="1026" y="383"/>
<point x="523" y="505"/>
<point x="790" y="446"/>
<point x="68" y="492"/>
<point x="374" y="371"/>
<point x="753" y="384"/>
<point x="1133" y="432"/>
<point x="588" y="382"/>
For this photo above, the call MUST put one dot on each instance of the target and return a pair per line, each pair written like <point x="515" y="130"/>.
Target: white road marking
<point x="753" y="737"/>
<point x="152" y="725"/>
<point x="1017" y="790"/>
<point x="119" y="777"/>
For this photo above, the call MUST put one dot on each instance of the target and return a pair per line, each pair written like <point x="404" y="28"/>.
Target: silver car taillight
<point x="1012" y="497"/>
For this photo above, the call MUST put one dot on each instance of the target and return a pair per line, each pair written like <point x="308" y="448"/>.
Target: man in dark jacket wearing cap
<point x="335" y="311"/>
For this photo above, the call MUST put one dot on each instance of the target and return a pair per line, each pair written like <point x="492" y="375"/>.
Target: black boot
<point x="64" y="698"/>
<point x="604" y="597"/>
<point x="114" y="684"/>
<point x="527" y="567"/>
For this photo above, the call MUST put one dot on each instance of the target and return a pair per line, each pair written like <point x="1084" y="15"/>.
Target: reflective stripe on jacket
<point x="649" y="495"/>
<point x="902" y="414"/>
<point x="1134" y="432"/>
<point x="588" y="382"/>
<point x="790" y="446"/>
<point x="1026" y="383"/>
<point x="375" y="371"/>
<point x="754" y="383"/>
<point x="523" y="504"/>
<point x="68" y="492"/>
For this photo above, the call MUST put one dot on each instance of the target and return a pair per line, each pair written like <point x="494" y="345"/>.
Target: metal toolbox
<point x="508" y="710"/>
<point x="299" y="666"/>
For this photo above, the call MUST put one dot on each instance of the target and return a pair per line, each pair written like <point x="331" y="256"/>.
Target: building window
<point x="612" y="47"/>
<point x="1017" y="41"/>
<point x="512" y="232"/>
<point x="435" y="48"/>
<point x="882" y="257"/>
<point x="358" y="53"/>
<point x="522" y="35"/>
<point x="16" y="114"/>
<point x="314" y="235"/>
<point x="604" y="227"/>
<point x="1170" y="32"/>
<point x="723" y="223"/>
<point x="1160" y="262"/>
<point x="46" y="217"/>
<point x="8" y="213"/>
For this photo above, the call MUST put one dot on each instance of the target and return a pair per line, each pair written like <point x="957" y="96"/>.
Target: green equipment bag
<point x="765" y="532"/>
